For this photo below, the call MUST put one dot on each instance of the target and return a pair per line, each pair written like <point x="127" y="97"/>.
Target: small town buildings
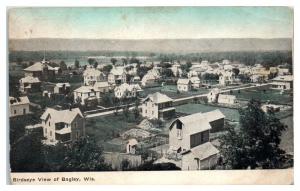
<point x="283" y="71"/>
<point x="127" y="90"/>
<point x="131" y="146"/>
<point x="41" y="70"/>
<point x="87" y="94"/>
<point x="158" y="106"/>
<point x="226" y="78"/>
<point x="62" y="88"/>
<point x="190" y="137"/>
<point x="135" y="79"/>
<point x="92" y="75"/>
<point x="18" y="106"/>
<point x="227" y="99"/>
<point x="212" y="96"/>
<point x="63" y="125"/>
<point x="102" y="87"/>
<point x="117" y="75"/>
<point x="196" y="83"/>
<point x="148" y="80"/>
<point x="30" y="84"/>
<point x="282" y="82"/>
<point x="184" y="85"/>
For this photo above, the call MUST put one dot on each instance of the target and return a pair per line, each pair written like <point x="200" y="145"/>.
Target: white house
<point x="158" y="106"/>
<point x="282" y="82"/>
<point x="226" y="78"/>
<point x="85" y="94"/>
<point x="283" y="71"/>
<point x="184" y="85"/>
<point x="190" y="136"/>
<point x="212" y="96"/>
<point x="196" y="83"/>
<point x="18" y="106"/>
<point x="103" y="87"/>
<point x="227" y="99"/>
<point x="30" y="84"/>
<point x="92" y="75"/>
<point x="41" y="70"/>
<point x="62" y="88"/>
<point x="117" y="75"/>
<point x="63" y="125"/>
<point x="127" y="90"/>
<point x="131" y="146"/>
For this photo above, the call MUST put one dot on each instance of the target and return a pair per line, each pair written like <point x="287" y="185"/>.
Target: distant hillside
<point x="155" y="45"/>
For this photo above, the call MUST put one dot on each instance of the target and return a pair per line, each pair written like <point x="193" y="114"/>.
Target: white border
<point x="55" y="3"/>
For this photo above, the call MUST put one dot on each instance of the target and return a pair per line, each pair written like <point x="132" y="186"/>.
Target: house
<point x="127" y="90"/>
<point x="86" y="95"/>
<point x="62" y="88"/>
<point x="270" y="107"/>
<point x="131" y="146"/>
<point x="282" y="82"/>
<point x="176" y="70"/>
<point x="41" y="70"/>
<point x="184" y="85"/>
<point x="135" y="79"/>
<point x="196" y="83"/>
<point x="226" y="78"/>
<point x="158" y="106"/>
<point x="227" y="99"/>
<point x="92" y="75"/>
<point x="257" y="78"/>
<point x="117" y="75"/>
<point x="18" y="106"/>
<point x="190" y="137"/>
<point x="103" y="87"/>
<point x="148" y="79"/>
<point x="283" y="71"/>
<point x="212" y="96"/>
<point x="30" y="84"/>
<point x="63" y="125"/>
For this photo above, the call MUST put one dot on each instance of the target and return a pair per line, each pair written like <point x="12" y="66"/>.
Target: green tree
<point x="84" y="155"/>
<point x="77" y="65"/>
<point x="256" y="143"/>
<point x="113" y="61"/>
<point x="63" y="65"/>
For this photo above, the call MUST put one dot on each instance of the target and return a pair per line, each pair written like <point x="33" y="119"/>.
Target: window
<point x="49" y="123"/>
<point x="146" y="111"/>
<point x="152" y="112"/>
<point x="24" y="111"/>
<point x="179" y="133"/>
<point x="50" y="133"/>
<point x="77" y="134"/>
<point x="45" y="131"/>
<point x="75" y="124"/>
<point x="15" y="111"/>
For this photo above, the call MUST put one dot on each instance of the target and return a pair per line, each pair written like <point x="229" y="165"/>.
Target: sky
<point x="151" y="22"/>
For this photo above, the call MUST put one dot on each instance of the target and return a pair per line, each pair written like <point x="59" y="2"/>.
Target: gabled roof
<point x="183" y="81"/>
<point x="203" y="151"/>
<point x="225" y="96"/>
<point x="158" y="98"/>
<point x="101" y="85"/>
<point x="29" y="79"/>
<point x="67" y="84"/>
<point x="18" y="100"/>
<point x="199" y="122"/>
<point x="86" y="89"/>
<point x="92" y="72"/>
<point x="65" y="116"/>
<point x="38" y="66"/>
<point x="117" y="71"/>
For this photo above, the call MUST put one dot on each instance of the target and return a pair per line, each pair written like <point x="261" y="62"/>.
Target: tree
<point x="256" y="143"/>
<point x="77" y="65"/>
<point x="95" y="64"/>
<point x="107" y="68"/>
<point x="63" y="65"/>
<point x="91" y="61"/>
<point x="84" y="155"/>
<point x="236" y="71"/>
<point x="113" y="61"/>
<point x="136" y="110"/>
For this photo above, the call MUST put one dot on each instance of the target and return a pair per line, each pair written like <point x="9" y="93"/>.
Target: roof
<point x="18" y="100"/>
<point x="101" y="85"/>
<point x="92" y="72"/>
<point x="224" y="96"/>
<point x="65" y="116"/>
<point x="29" y="79"/>
<point x="158" y="98"/>
<point x="64" y="130"/>
<point x="38" y="66"/>
<point x="128" y="87"/>
<point x="117" y="71"/>
<point x="199" y="122"/>
<point x="203" y="151"/>
<point x="195" y="79"/>
<point x="132" y="142"/>
<point x="85" y="89"/>
<point x="287" y="78"/>
<point x="183" y="81"/>
<point x="62" y="84"/>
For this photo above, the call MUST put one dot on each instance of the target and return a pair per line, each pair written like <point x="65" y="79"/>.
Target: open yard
<point x="264" y="94"/>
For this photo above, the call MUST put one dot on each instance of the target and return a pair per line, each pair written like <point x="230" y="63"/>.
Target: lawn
<point x="267" y="95"/>
<point x="104" y="128"/>
<point x="231" y="114"/>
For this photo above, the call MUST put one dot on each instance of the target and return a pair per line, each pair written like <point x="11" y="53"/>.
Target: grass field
<point x="231" y="114"/>
<point x="264" y="94"/>
<point x="107" y="127"/>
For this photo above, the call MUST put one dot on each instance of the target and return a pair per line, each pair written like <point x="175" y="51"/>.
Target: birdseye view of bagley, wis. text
<point x="150" y="88"/>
